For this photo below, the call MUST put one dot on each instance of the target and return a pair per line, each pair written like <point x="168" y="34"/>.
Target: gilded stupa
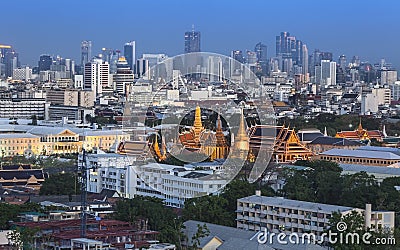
<point x="204" y="140"/>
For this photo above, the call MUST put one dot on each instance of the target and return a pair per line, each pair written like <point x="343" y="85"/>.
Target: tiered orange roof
<point x="361" y="134"/>
<point x="286" y="146"/>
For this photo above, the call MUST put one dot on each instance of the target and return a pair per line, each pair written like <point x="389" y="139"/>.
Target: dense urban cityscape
<point x="290" y="147"/>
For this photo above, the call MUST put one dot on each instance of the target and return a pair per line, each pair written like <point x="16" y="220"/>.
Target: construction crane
<point x="2" y="46"/>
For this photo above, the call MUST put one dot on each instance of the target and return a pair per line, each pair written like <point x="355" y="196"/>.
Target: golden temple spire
<point x="360" y="126"/>
<point x="219" y="134"/>
<point x="242" y="140"/>
<point x="197" y="126"/>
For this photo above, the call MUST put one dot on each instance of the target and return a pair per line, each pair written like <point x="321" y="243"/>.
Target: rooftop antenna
<point x="192" y="27"/>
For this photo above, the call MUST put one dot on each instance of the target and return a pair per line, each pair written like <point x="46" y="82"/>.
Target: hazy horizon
<point x="353" y="28"/>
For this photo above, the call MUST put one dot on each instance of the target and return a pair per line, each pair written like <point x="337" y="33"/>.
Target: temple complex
<point x="286" y="146"/>
<point x="361" y="134"/>
<point x="283" y="140"/>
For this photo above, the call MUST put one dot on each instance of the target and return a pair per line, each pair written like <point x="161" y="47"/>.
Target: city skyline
<point x="339" y="27"/>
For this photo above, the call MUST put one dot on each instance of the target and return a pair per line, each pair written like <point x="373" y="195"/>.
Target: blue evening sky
<point x="369" y="29"/>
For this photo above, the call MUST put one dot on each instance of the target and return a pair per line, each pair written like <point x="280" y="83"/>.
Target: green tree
<point x="326" y="179"/>
<point x="220" y="209"/>
<point x="10" y="212"/>
<point x="202" y="231"/>
<point x="298" y="185"/>
<point x="60" y="184"/>
<point x="209" y="208"/>
<point x="362" y="186"/>
<point x="24" y="238"/>
<point x="350" y="223"/>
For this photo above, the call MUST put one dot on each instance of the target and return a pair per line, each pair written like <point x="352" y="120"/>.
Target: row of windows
<point x="17" y="148"/>
<point x="185" y="184"/>
<point x="5" y="142"/>
<point x="281" y="210"/>
<point x="358" y="160"/>
<point x="280" y="228"/>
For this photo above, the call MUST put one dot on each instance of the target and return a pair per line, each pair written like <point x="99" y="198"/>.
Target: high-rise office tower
<point x="328" y="73"/>
<point x="96" y="76"/>
<point x="237" y="55"/>
<point x="10" y="61"/>
<point x="236" y="64"/>
<point x="356" y="61"/>
<point x="124" y="76"/>
<point x="343" y="62"/>
<point x="262" y="57"/>
<point x="86" y="52"/>
<point x="326" y="56"/>
<point x="251" y="57"/>
<point x="111" y="56"/>
<point x="130" y="54"/>
<point x="142" y="67"/>
<point x="289" y="52"/>
<point x="45" y="62"/>
<point x="192" y="41"/>
<point x="304" y="59"/>
<point x="282" y="43"/>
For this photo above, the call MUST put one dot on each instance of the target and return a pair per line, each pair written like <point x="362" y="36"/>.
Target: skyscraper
<point x="130" y="54"/>
<point x="10" y="61"/>
<point x="282" y="43"/>
<point x="192" y="41"/>
<point x="123" y="77"/>
<point x="343" y="62"/>
<point x="262" y="58"/>
<point x="96" y="76"/>
<point x="45" y="62"/>
<point x="142" y="67"/>
<point x="328" y="73"/>
<point x="237" y="55"/>
<point x="289" y="52"/>
<point x="304" y="62"/>
<point x="86" y="52"/>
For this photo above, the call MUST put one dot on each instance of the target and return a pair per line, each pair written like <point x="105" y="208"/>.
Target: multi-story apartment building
<point x="23" y="108"/>
<point x="171" y="183"/>
<point x="277" y="214"/>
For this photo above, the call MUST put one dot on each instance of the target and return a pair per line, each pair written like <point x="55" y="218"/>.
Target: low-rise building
<point x="46" y="140"/>
<point x="277" y="214"/>
<point x="74" y="113"/>
<point x="21" y="175"/>
<point x="368" y="157"/>
<point x="19" y="144"/>
<point x="380" y="173"/>
<point x="324" y="143"/>
<point x="103" y="139"/>
<point x="228" y="238"/>
<point x="62" y="234"/>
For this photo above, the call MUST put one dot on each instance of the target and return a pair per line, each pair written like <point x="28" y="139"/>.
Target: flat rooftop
<point x="304" y="205"/>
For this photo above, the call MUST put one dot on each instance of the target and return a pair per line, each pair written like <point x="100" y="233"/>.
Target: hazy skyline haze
<point x="364" y="28"/>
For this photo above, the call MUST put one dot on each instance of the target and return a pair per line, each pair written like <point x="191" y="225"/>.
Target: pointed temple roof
<point x="361" y="134"/>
